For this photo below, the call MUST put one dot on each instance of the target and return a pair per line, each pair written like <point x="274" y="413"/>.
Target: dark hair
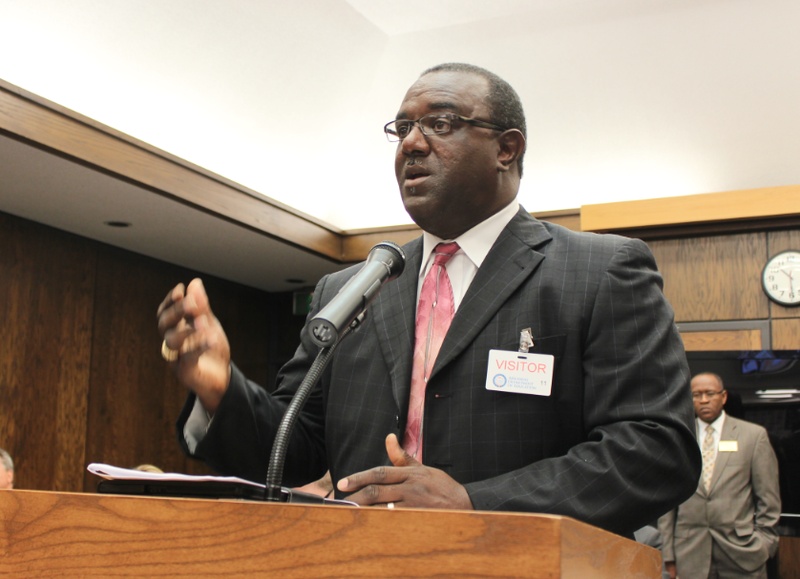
<point x="505" y="108"/>
<point x="716" y="376"/>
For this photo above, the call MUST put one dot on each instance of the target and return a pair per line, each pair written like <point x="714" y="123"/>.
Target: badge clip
<point x="525" y="340"/>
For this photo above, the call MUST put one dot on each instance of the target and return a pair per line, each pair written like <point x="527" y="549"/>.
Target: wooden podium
<point x="46" y="534"/>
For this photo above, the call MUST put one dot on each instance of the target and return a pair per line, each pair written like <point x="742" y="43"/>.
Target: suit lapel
<point x="729" y="432"/>
<point x="394" y="314"/>
<point x="510" y="262"/>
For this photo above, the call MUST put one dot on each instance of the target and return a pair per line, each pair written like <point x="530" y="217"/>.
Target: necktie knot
<point x="443" y="252"/>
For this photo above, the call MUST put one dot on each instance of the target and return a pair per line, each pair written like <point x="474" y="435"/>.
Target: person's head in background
<point x="148" y="468"/>
<point x="6" y="470"/>
<point x="709" y="396"/>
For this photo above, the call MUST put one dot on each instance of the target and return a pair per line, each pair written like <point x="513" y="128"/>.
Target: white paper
<point x="109" y="472"/>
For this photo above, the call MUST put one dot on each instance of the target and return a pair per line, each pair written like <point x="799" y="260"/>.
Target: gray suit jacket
<point x="612" y="445"/>
<point x="739" y="511"/>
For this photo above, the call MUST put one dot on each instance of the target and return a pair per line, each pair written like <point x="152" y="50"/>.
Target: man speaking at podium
<point x="425" y="405"/>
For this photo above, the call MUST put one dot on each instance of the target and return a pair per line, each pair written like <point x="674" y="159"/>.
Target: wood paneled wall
<point x="46" y="309"/>
<point x="714" y="278"/>
<point x="81" y="376"/>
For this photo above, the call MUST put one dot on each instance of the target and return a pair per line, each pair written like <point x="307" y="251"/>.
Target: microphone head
<point x="391" y="255"/>
<point x="384" y="263"/>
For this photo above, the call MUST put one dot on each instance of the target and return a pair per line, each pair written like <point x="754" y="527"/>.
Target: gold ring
<point x="389" y="505"/>
<point x="168" y="353"/>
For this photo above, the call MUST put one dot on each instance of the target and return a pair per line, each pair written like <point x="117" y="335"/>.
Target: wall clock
<point x="781" y="278"/>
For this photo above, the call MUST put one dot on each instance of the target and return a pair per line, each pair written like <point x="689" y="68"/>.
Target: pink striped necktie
<point x="434" y="313"/>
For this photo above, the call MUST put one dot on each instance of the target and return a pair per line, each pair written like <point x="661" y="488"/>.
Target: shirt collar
<point x="476" y="242"/>
<point x="717" y="424"/>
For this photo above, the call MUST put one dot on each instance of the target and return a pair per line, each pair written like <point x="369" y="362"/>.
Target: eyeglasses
<point x="710" y="395"/>
<point x="432" y="124"/>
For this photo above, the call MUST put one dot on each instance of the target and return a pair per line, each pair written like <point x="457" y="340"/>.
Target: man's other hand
<point x="406" y="484"/>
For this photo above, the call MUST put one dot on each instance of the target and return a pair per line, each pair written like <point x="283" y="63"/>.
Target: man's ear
<point x="512" y="146"/>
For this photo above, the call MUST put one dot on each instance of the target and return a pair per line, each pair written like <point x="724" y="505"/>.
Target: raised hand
<point x="194" y="336"/>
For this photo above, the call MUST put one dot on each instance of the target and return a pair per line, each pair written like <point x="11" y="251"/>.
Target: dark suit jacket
<point x="612" y="445"/>
<point x="739" y="511"/>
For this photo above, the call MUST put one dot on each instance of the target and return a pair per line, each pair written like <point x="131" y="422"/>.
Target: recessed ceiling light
<point x="122" y="224"/>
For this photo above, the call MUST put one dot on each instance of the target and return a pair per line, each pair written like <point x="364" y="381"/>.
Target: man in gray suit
<point x="607" y="439"/>
<point x="726" y="529"/>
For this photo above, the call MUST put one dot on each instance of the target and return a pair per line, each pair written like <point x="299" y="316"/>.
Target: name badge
<point x="729" y="446"/>
<point x="519" y="372"/>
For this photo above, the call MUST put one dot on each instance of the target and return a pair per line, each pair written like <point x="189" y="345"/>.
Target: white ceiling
<point x="394" y="18"/>
<point x="625" y="99"/>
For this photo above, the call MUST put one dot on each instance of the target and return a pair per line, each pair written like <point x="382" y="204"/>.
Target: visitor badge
<point x="520" y="372"/>
<point x="729" y="446"/>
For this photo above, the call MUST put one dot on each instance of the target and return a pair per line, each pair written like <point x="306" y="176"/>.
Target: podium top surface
<point x="47" y="534"/>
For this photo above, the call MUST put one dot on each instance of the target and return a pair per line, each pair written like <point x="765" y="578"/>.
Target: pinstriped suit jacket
<point x="613" y="445"/>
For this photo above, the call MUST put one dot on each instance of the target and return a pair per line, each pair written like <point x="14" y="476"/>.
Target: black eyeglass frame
<point x="393" y="137"/>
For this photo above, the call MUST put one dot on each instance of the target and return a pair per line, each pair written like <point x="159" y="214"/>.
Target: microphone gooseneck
<point x="343" y="314"/>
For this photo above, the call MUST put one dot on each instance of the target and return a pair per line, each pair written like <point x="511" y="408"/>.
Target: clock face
<point x="781" y="278"/>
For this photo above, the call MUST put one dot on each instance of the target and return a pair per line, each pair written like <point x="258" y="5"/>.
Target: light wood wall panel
<point x="782" y="241"/>
<point x="714" y="278"/>
<point x="786" y="334"/>
<point x="46" y="304"/>
<point x="722" y="340"/>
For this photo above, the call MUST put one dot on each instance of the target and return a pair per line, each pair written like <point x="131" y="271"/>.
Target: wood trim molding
<point x="53" y="128"/>
<point x="692" y="210"/>
<point x="46" y="125"/>
<point x="726" y="335"/>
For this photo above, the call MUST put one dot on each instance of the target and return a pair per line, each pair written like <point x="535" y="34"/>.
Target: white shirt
<point x="474" y="247"/>
<point x="462" y="267"/>
<point x="717" y="434"/>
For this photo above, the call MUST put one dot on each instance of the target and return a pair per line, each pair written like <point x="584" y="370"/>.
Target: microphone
<point x="384" y="263"/>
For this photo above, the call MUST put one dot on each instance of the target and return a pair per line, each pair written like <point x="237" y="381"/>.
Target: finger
<point x="196" y="338"/>
<point x="176" y="336"/>
<point x="378" y="476"/>
<point x="197" y="291"/>
<point x="186" y="309"/>
<point x="397" y="454"/>
<point x="175" y="295"/>
<point x="376" y="495"/>
<point x="180" y="310"/>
